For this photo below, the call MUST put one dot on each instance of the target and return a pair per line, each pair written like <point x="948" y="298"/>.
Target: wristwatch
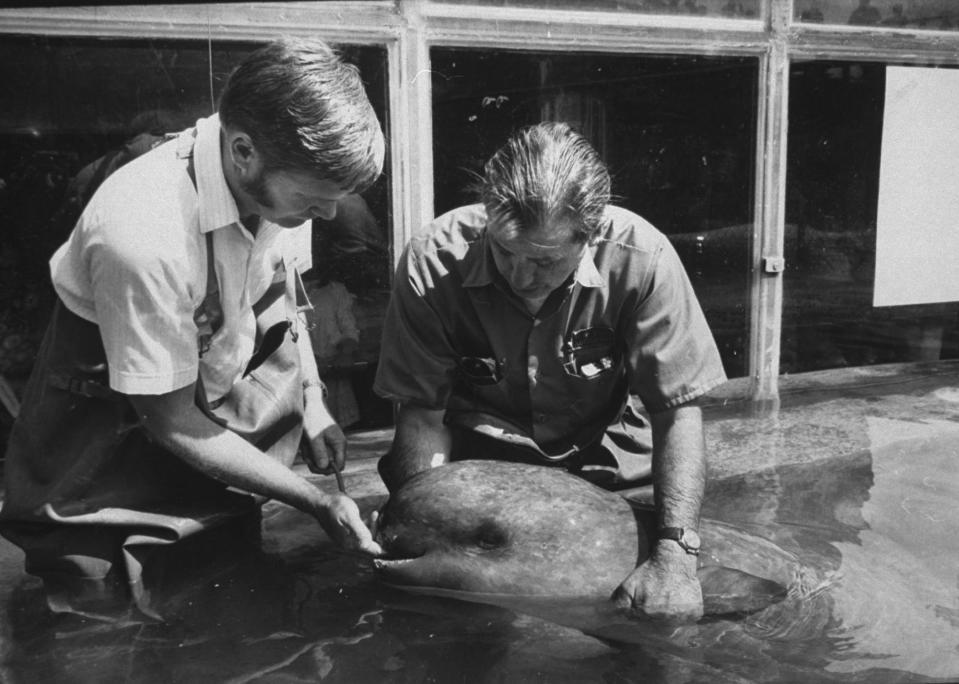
<point x="687" y="539"/>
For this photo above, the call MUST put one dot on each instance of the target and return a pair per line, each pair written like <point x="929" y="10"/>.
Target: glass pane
<point x="829" y="321"/>
<point x="349" y="284"/>
<point x="71" y="102"/>
<point x="678" y="134"/>
<point x="746" y="9"/>
<point x="940" y="15"/>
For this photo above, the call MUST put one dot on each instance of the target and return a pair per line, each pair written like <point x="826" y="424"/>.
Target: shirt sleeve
<point x="142" y="295"/>
<point x="416" y="356"/>
<point x="671" y="355"/>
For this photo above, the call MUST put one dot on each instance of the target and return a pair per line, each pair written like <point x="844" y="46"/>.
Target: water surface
<point x="878" y="530"/>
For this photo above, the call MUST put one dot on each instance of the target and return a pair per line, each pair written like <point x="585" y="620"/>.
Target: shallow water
<point x="878" y="531"/>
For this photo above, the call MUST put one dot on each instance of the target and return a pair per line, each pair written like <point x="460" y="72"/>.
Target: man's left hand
<point x="664" y="587"/>
<point x="326" y="448"/>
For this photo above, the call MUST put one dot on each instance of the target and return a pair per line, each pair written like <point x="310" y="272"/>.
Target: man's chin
<point x="290" y="222"/>
<point x="536" y="293"/>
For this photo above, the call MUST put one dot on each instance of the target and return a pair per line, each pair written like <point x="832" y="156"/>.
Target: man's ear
<point x="242" y="151"/>
<point x="595" y="236"/>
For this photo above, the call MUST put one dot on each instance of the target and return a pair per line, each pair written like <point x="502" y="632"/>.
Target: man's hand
<point x="664" y="587"/>
<point x="341" y="520"/>
<point x="326" y="439"/>
<point x="329" y="445"/>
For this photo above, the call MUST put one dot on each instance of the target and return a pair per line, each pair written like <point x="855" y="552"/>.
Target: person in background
<point x="524" y="327"/>
<point x="897" y="18"/>
<point x="812" y="14"/>
<point x="865" y="14"/>
<point x="175" y="379"/>
<point x="147" y="130"/>
<point x="348" y="287"/>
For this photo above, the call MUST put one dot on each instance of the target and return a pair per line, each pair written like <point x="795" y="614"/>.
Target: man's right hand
<point x="340" y="519"/>
<point x="664" y="587"/>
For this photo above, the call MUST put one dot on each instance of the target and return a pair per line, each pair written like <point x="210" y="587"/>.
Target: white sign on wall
<point x="917" y="231"/>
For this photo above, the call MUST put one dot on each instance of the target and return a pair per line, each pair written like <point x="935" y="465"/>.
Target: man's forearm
<point x="223" y="455"/>
<point x="665" y="584"/>
<point x="421" y="441"/>
<point x="316" y="414"/>
<point x="679" y="466"/>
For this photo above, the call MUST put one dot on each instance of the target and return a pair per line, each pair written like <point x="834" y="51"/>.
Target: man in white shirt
<point x="152" y="389"/>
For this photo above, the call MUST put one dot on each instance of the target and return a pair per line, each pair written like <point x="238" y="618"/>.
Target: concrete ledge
<point x="830" y="414"/>
<point x="820" y="415"/>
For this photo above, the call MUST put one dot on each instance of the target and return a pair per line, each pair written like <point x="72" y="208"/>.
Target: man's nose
<point x="325" y="211"/>
<point x="521" y="275"/>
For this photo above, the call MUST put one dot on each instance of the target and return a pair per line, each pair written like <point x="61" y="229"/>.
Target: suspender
<point x="209" y="316"/>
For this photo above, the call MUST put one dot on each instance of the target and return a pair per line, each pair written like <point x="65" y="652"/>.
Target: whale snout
<point x="391" y="565"/>
<point x="399" y="570"/>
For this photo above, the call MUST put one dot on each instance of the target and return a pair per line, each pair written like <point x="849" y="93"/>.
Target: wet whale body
<point x="492" y="527"/>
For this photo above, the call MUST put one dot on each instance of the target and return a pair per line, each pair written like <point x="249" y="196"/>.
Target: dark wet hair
<point x="543" y="174"/>
<point x="306" y="110"/>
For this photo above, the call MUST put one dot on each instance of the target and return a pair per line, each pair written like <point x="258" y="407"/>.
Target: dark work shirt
<point x="626" y="322"/>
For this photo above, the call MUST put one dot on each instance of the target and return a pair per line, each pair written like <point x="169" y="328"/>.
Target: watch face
<point x="691" y="540"/>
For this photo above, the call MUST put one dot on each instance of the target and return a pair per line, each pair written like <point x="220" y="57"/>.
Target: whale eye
<point x="489" y="536"/>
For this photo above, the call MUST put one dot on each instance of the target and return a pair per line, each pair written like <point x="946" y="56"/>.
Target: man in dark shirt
<point x="521" y="328"/>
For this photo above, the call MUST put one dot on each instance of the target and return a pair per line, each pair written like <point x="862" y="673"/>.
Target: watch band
<point x="679" y="535"/>
<point x="315" y="383"/>
<point x="674" y="533"/>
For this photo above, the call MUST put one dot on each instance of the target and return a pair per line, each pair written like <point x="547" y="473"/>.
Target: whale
<point x="496" y="528"/>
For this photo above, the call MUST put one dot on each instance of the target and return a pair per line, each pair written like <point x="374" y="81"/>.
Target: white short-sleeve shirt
<point x="136" y="266"/>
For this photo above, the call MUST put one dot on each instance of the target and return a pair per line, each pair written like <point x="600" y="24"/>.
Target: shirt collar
<point x="217" y="208"/>
<point x="479" y="269"/>
<point x="587" y="274"/>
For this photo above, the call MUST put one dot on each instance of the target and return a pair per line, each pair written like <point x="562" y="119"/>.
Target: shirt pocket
<point x="479" y="371"/>
<point x="590" y="353"/>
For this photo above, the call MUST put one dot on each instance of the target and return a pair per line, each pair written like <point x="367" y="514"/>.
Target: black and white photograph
<point x="479" y="341"/>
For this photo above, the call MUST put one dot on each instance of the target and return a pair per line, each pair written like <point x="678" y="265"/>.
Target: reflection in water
<point x="877" y="530"/>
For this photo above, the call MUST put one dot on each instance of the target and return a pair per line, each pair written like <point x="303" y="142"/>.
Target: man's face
<point x="290" y="198"/>
<point x="537" y="261"/>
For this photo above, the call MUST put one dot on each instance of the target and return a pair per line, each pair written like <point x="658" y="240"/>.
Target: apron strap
<point x="209" y="315"/>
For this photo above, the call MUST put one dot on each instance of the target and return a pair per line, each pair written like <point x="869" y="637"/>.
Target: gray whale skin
<point x="500" y="528"/>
